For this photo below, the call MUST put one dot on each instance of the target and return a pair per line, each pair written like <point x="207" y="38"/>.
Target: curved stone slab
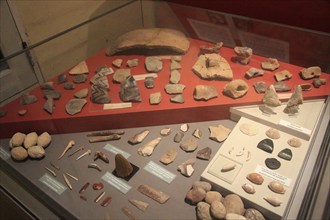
<point x="150" y="41"/>
<point x="75" y="106"/>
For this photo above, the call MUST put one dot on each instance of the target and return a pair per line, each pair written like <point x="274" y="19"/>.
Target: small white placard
<point x="143" y="76"/>
<point x="273" y="175"/>
<point x="116" y="150"/>
<point x="160" y="172"/>
<point x="53" y="184"/>
<point x="294" y="127"/>
<point x="116" y="182"/>
<point x="4" y="154"/>
<point x="117" y="105"/>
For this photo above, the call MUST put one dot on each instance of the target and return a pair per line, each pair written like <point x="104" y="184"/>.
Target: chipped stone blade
<point x="153" y="193"/>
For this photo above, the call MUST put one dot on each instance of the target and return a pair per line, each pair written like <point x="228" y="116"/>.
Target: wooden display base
<point x="93" y="117"/>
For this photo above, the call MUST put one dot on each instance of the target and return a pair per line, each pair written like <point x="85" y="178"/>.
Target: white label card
<point x="53" y="184"/>
<point x="273" y="175"/>
<point x="116" y="150"/>
<point x="295" y="127"/>
<point x="160" y="172"/>
<point x="116" y="182"/>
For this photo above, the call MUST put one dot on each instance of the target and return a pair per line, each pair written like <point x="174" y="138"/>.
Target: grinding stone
<point x="272" y="163"/>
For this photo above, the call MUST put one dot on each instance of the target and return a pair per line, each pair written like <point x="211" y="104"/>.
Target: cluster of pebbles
<point x="212" y="205"/>
<point x="29" y="145"/>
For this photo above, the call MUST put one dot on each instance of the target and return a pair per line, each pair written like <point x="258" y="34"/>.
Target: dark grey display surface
<point x="68" y="204"/>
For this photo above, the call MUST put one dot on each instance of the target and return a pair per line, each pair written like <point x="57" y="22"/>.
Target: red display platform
<point x="93" y="117"/>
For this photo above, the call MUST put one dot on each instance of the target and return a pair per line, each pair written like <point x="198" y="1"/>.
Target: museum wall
<point x="43" y="19"/>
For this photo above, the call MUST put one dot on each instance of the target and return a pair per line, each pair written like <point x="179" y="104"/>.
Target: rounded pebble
<point x="273" y="133"/>
<point x="234" y="204"/>
<point x="195" y="195"/>
<point x="30" y="139"/>
<point x="17" y="139"/>
<point x="212" y="196"/>
<point x="203" y="211"/>
<point x="294" y="142"/>
<point x="36" y="152"/>
<point x="234" y="216"/>
<point x="218" y="210"/>
<point x="205" y="185"/>
<point x="253" y="214"/>
<point x="272" y="163"/>
<point x="44" y="140"/>
<point x="19" y="153"/>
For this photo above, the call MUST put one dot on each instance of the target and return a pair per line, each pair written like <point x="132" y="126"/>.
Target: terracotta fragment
<point x="205" y="92"/>
<point x="212" y="67"/>
<point x="99" y="95"/>
<point x="81" y="93"/>
<point x="174" y="88"/>
<point x="169" y="156"/>
<point x="149" y="82"/>
<point x="132" y="62"/>
<point x="49" y="105"/>
<point x="123" y="166"/>
<point x="80" y="68"/>
<point x="255" y="178"/>
<point x="177" y="99"/>
<point x="150" y="41"/>
<point x="283" y="75"/>
<point x="153" y="64"/>
<point x="271" y="98"/>
<point x="175" y="65"/>
<point x="148" y="148"/>
<point x="236" y="89"/>
<point x="175" y="76"/>
<point x="47" y="86"/>
<point x="75" y="106"/>
<point x="100" y="80"/>
<point x="306" y="86"/>
<point x="197" y="133"/>
<point x="129" y="91"/>
<point x="318" y="82"/>
<point x="310" y="73"/>
<point x="155" y="98"/>
<point x="215" y="48"/>
<point x="139" y="137"/>
<point x="62" y="78"/>
<point x="121" y="75"/>
<point x="270" y="64"/>
<point x="69" y="86"/>
<point x="219" y="133"/>
<point x="260" y="87"/>
<point x="56" y="95"/>
<point x="204" y="154"/>
<point x="81" y="78"/>
<point x="243" y="55"/>
<point x="254" y="72"/>
<point x="154" y="194"/>
<point x="117" y="63"/>
<point x="281" y="87"/>
<point x="27" y="99"/>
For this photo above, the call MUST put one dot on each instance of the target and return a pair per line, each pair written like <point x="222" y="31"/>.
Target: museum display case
<point x="168" y="114"/>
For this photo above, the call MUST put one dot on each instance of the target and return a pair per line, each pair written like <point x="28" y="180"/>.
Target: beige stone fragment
<point x="150" y="40"/>
<point x="155" y="98"/>
<point x="205" y="92"/>
<point x="139" y="204"/>
<point x="189" y="145"/>
<point x="19" y="153"/>
<point x="174" y="88"/>
<point x="219" y="133"/>
<point x="30" y="139"/>
<point x="153" y="193"/>
<point x="273" y="133"/>
<point x="271" y="98"/>
<point x="294" y="142"/>
<point x="249" y="129"/>
<point x="236" y="88"/>
<point x="148" y="148"/>
<point x="175" y="76"/>
<point x="36" y="152"/>
<point x="311" y="72"/>
<point x="121" y="75"/>
<point x="283" y="75"/>
<point x="81" y="68"/>
<point x="17" y="139"/>
<point x="270" y="64"/>
<point x="212" y="67"/>
<point x="169" y="156"/>
<point x="117" y="63"/>
<point x="187" y="167"/>
<point x="175" y="65"/>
